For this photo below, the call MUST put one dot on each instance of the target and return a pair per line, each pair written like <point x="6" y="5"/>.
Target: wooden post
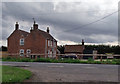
<point x="101" y="58"/>
<point x="35" y="56"/>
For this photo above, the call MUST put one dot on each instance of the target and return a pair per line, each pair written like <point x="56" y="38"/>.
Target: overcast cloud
<point x="65" y="19"/>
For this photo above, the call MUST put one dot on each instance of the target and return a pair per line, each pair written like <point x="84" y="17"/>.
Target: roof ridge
<point x="23" y="31"/>
<point x="46" y="35"/>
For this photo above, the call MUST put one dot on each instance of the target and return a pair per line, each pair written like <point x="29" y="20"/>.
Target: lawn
<point x="14" y="74"/>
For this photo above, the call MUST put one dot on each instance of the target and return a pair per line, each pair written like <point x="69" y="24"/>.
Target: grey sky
<point x="63" y="16"/>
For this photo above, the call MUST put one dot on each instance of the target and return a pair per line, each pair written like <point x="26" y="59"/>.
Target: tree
<point x="61" y="48"/>
<point x="3" y="48"/>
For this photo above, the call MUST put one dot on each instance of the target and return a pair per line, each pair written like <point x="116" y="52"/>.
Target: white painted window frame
<point x="22" y="41"/>
<point x="21" y="52"/>
<point x="28" y="51"/>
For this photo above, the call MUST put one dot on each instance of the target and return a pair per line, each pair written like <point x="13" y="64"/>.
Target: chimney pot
<point x="16" y="26"/>
<point x="82" y="41"/>
<point x="31" y="29"/>
<point x="35" y="26"/>
<point x="48" y="30"/>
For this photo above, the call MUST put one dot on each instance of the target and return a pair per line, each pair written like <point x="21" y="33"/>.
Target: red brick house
<point x="74" y="49"/>
<point x="36" y="43"/>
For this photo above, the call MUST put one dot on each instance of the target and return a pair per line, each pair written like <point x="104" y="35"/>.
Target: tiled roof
<point x="73" y="49"/>
<point x="46" y="35"/>
<point x="24" y="33"/>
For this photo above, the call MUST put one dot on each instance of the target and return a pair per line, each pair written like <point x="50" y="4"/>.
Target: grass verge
<point x="14" y="74"/>
<point x="89" y="61"/>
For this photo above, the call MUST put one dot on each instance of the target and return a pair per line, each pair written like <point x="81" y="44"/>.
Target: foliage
<point x="14" y="74"/>
<point x="90" y="60"/>
<point x="61" y="49"/>
<point x="3" y="48"/>
<point x="65" y="60"/>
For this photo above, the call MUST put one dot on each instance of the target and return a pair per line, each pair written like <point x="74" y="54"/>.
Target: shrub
<point x="90" y="60"/>
<point x="108" y="61"/>
<point x="43" y="60"/>
<point x="25" y="59"/>
<point x="97" y="62"/>
<point x="65" y="60"/>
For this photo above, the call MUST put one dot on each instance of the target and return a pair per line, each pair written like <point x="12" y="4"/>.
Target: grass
<point x="0" y="74"/>
<point x="14" y="74"/>
<point x="89" y="61"/>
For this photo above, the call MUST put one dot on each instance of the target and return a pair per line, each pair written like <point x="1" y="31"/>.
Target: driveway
<point x="64" y="72"/>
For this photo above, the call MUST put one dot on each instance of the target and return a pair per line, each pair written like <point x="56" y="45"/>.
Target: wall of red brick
<point x="13" y="42"/>
<point x="35" y="42"/>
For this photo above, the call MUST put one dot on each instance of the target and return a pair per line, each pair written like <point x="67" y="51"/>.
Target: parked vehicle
<point x="72" y="56"/>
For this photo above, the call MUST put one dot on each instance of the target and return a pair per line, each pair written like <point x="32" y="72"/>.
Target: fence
<point x="93" y="56"/>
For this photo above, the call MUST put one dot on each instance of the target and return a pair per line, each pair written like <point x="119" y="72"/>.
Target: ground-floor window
<point x="54" y="53"/>
<point x="28" y="52"/>
<point x="49" y="53"/>
<point x="21" y="52"/>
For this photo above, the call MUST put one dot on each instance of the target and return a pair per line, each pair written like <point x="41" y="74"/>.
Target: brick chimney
<point x="31" y="29"/>
<point x="82" y="41"/>
<point x="48" y="30"/>
<point x="35" y="26"/>
<point x="16" y="26"/>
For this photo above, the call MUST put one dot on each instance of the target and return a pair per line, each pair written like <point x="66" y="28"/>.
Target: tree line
<point x="3" y="48"/>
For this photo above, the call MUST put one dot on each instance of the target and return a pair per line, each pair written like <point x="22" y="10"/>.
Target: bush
<point x="90" y="60"/>
<point x="66" y="60"/>
<point x="97" y="62"/>
<point x="117" y="61"/>
<point x="42" y="60"/>
<point x="84" y="62"/>
<point x="108" y="61"/>
<point x="25" y="59"/>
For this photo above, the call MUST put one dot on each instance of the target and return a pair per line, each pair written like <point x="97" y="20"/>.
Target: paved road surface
<point x="63" y="72"/>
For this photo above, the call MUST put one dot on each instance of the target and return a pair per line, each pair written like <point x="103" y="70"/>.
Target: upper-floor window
<point x="22" y="41"/>
<point x="54" y="44"/>
<point x="50" y="43"/>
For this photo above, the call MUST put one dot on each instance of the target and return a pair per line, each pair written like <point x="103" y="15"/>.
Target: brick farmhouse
<point x="74" y="49"/>
<point x="33" y="44"/>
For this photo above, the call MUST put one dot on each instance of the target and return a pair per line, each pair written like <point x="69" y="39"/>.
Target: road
<point x="63" y="72"/>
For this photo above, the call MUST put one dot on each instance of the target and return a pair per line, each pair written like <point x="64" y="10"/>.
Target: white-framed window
<point x="21" y="52"/>
<point x="22" y="41"/>
<point x="50" y="43"/>
<point x="54" y="53"/>
<point x="48" y="53"/>
<point x="28" y="51"/>
<point x="54" y="44"/>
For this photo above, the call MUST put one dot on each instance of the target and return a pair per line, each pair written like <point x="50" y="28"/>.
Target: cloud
<point x="62" y="17"/>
